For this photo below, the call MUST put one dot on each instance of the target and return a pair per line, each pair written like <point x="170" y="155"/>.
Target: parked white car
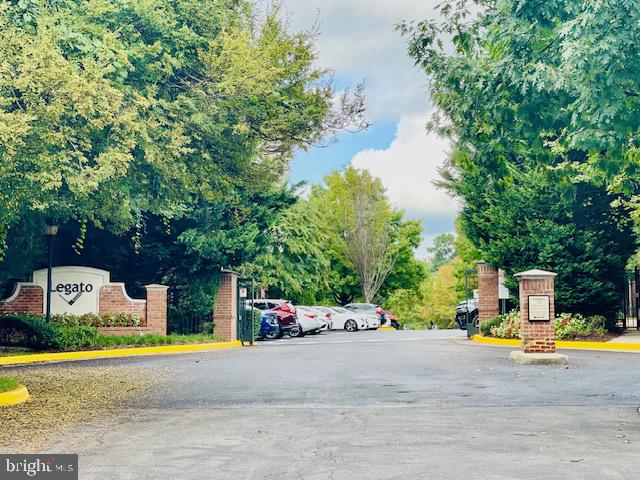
<point x="323" y="317"/>
<point x="326" y="315"/>
<point x="308" y="321"/>
<point x="373" y="313"/>
<point x="343" y="319"/>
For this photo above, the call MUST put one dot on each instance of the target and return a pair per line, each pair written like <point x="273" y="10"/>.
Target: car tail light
<point x="308" y="315"/>
<point x="328" y="316"/>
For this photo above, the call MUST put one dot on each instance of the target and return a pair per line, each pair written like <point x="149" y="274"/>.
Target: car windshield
<point x="340" y="310"/>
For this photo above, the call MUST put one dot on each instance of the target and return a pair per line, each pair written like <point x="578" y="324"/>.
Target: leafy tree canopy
<point x="112" y="110"/>
<point x="540" y="99"/>
<point x="442" y="250"/>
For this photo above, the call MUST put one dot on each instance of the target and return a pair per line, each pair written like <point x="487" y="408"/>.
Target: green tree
<point x="466" y="260"/>
<point x="367" y="235"/>
<point x="112" y="110"/>
<point x="442" y="250"/>
<point x="543" y="117"/>
<point x="155" y="128"/>
<point x="432" y="303"/>
<point x="294" y="262"/>
<point x="408" y="272"/>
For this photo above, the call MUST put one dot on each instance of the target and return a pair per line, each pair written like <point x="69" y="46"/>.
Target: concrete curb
<point x="602" y="346"/>
<point x="14" y="397"/>
<point x="386" y="329"/>
<point x="115" y="353"/>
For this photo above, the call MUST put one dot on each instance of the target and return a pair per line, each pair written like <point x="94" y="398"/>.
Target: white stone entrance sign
<point x="74" y="290"/>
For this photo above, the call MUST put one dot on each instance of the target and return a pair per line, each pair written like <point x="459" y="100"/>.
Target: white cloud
<point x="408" y="168"/>
<point x="358" y="39"/>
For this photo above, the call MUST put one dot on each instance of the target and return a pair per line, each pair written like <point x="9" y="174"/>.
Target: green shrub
<point x="151" y="339"/>
<point x="26" y="331"/>
<point x="575" y="325"/>
<point x="110" y="320"/>
<point x="568" y="325"/>
<point x="509" y="327"/>
<point x="486" y="327"/>
<point x="74" y="337"/>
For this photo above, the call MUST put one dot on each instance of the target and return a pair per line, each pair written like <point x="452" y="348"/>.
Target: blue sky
<point x="358" y="42"/>
<point x="317" y="162"/>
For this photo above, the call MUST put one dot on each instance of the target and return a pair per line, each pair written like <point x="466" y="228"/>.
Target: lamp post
<point x="50" y="231"/>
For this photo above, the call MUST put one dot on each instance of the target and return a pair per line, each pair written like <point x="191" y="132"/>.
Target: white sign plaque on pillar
<point x="539" y="308"/>
<point x="74" y="290"/>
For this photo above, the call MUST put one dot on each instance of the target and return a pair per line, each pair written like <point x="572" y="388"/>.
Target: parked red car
<point x="392" y="319"/>
<point x="282" y="308"/>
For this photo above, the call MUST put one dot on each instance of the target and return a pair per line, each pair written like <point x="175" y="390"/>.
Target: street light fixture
<point x="50" y="231"/>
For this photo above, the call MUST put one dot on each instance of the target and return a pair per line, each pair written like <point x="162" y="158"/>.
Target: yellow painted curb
<point x="496" y="341"/>
<point x="117" y="352"/>
<point x="14" y="397"/>
<point x="386" y="329"/>
<point x="605" y="346"/>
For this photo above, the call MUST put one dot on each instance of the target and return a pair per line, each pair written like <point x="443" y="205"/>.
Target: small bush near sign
<point x="91" y="319"/>
<point x="26" y="331"/>
<point x="35" y="334"/>
<point x="74" y="337"/>
<point x="569" y="326"/>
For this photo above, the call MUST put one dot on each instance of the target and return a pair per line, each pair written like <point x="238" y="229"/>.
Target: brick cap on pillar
<point x="535" y="274"/>
<point x="155" y="286"/>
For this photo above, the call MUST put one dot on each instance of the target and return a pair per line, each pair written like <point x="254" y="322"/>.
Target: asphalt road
<point x="370" y="405"/>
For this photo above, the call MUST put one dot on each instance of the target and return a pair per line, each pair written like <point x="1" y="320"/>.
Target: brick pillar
<point x="157" y="308"/>
<point x="488" y="292"/>
<point x="225" y="310"/>
<point x="537" y="311"/>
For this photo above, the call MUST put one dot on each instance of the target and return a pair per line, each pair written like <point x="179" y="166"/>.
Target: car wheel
<point x="351" y="326"/>
<point x="272" y="335"/>
<point x="295" y="332"/>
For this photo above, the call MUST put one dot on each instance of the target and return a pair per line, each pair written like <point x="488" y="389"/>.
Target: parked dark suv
<point x="461" y="312"/>
<point x="282" y="308"/>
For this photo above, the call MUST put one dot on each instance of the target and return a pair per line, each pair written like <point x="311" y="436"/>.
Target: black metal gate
<point x="183" y="319"/>
<point x="631" y="305"/>
<point x="471" y="315"/>
<point x="246" y="297"/>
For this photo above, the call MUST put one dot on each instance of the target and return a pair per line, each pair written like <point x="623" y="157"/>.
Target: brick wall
<point x="488" y="292"/>
<point x="114" y="300"/>
<point x="225" y="312"/>
<point x="537" y="337"/>
<point x="28" y="298"/>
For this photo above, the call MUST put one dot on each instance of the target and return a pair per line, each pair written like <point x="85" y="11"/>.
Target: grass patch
<point x="108" y="341"/>
<point x="7" y="384"/>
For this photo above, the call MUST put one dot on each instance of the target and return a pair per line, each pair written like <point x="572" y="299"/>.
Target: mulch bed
<point x="594" y="337"/>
